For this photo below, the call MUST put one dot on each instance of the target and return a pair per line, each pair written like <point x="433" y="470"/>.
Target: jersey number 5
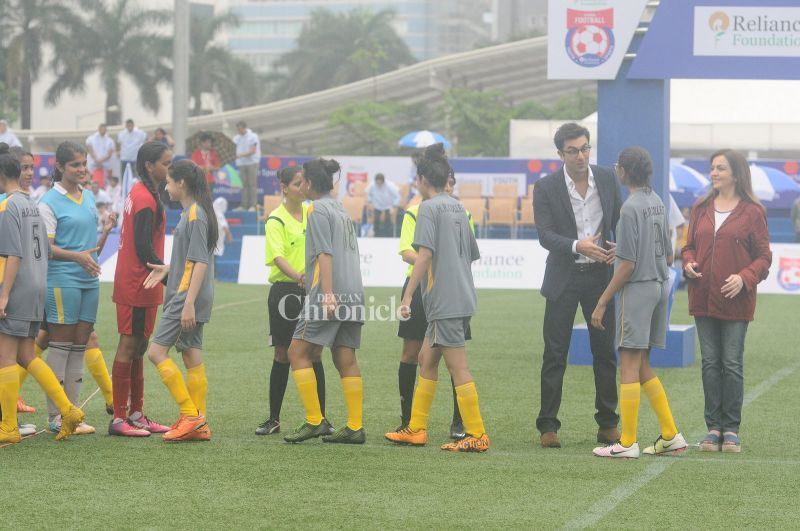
<point x="37" y="242"/>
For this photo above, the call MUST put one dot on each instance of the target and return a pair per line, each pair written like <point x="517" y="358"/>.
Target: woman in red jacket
<point x="726" y="255"/>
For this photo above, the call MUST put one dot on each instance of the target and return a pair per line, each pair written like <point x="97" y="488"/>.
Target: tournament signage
<point x="747" y="31"/>
<point x="589" y="38"/>
<point x="721" y="39"/>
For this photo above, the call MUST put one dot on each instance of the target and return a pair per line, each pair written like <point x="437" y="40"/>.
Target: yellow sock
<point x="629" y="412"/>
<point x="49" y="383"/>
<point x="353" y="387"/>
<point x="198" y="386"/>
<point x="9" y="392"/>
<point x="421" y="407"/>
<point x="99" y="371"/>
<point x="658" y="401"/>
<point x="467" y="396"/>
<point x="306" y="383"/>
<point x="173" y="379"/>
<point x="23" y="374"/>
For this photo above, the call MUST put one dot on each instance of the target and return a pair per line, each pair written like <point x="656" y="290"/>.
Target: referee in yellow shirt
<point x="285" y="255"/>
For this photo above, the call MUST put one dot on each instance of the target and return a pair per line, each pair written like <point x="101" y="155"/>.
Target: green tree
<point x="213" y="68"/>
<point x="338" y="48"/>
<point x="9" y="103"/>
<point x="27" y="26"/>
<point x="113" y="37"/>
<point x="372" y="128"/>
<point x="479" y="121"/>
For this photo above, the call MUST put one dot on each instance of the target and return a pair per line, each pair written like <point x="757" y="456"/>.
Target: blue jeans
<point x="722" y="352"/>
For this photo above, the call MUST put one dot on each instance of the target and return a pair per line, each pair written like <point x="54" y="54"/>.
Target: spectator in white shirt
<point x="225" y="235"/>
<point x="129" y="140"/>
<point x="383" y="198"/>
<point x="114" y="191"/>
<point x="100" y="195"/>
<point x="44" y="185"/>
<point x="101" y="148"/>
<point x="8" y="136"/>
<point x="248" y="156"/>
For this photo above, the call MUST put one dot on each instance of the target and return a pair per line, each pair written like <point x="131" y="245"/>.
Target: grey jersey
<point x="447" y="287"/>
<point x="23" y="234"/>
<point x="190" y="246"/>
<point x="330" y="231"/>
<point x="643" y="236"/>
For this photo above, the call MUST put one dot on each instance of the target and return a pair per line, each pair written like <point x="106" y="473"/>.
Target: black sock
<point x="406" y="376"/>
<point x="278" y="378"/>
<point x="456" y="411"/>
<point x="319" y="372"/>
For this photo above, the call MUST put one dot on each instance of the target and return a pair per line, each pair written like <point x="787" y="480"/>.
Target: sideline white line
<point x="240" y="303"/>
<point x="602" y="508"/>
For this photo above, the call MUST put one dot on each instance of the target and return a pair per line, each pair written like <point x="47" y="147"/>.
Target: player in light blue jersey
<point x="73" y="287"/>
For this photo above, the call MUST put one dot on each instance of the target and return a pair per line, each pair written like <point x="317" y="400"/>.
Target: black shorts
<point x="415" y="328"/>
<point x="281" y="327"/>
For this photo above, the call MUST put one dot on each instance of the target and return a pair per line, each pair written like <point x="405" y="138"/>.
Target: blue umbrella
<point x="770" y="184"/>
<point x="685" y="179"/>
<point x="422" y="139"/>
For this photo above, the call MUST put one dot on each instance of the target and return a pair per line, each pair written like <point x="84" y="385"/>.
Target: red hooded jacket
<point x="740" y="246"/>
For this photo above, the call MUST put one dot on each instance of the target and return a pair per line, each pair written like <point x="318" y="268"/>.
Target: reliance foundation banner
<point x="747" y="31"/>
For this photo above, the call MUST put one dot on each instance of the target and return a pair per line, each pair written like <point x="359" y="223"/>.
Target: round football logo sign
<point x="590" y="45"/>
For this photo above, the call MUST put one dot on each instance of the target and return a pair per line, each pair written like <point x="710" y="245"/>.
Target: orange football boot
<point x="468" y="444"/>
<point x="184" y="426"/>
<point x="22" y="407"/>
<point x="408" y="436"/>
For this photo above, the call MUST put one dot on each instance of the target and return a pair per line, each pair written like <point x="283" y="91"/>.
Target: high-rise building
<point x="269" y="29"/>
<point x="430" y="28"/>
<point x="517" y="18"/>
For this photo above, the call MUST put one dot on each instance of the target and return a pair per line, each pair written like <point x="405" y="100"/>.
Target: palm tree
<point x="27" y="26"/>
<point x="114" y="37"/>
<point x="338" y="48"/>
<point x="213" y="68"/>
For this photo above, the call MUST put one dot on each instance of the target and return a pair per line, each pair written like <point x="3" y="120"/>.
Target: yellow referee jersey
<point x="286" y="237"/>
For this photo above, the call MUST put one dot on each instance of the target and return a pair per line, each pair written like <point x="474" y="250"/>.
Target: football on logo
<point x="590" y="45"/>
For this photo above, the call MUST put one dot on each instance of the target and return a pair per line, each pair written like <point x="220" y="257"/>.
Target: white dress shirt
<point x="383" y="197"/>
<point x="130" y="142"/>
<point x="588" y="212"/>
<point x="101" y="145"/>
<point x="10" y="138"/>
<point x="245" y="143"/>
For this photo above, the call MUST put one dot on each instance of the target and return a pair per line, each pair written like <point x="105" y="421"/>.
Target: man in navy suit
<point x="577" y="209"/>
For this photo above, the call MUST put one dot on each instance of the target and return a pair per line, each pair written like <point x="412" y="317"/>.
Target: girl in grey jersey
<point x="334" y="309"/>
<point x="643" y="254"/>
<point x="188" y="300"/>
<point x="446" y="249"/>
<point x="24" y="253"/>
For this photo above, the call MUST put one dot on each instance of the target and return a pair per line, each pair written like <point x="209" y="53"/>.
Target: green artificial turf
<point x="240" y="480"/>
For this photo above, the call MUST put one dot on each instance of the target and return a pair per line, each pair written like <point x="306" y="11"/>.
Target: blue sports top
<point x="73" y="226"/>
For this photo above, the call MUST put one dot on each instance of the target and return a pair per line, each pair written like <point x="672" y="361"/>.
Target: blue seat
<point x="781" y="229"/>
